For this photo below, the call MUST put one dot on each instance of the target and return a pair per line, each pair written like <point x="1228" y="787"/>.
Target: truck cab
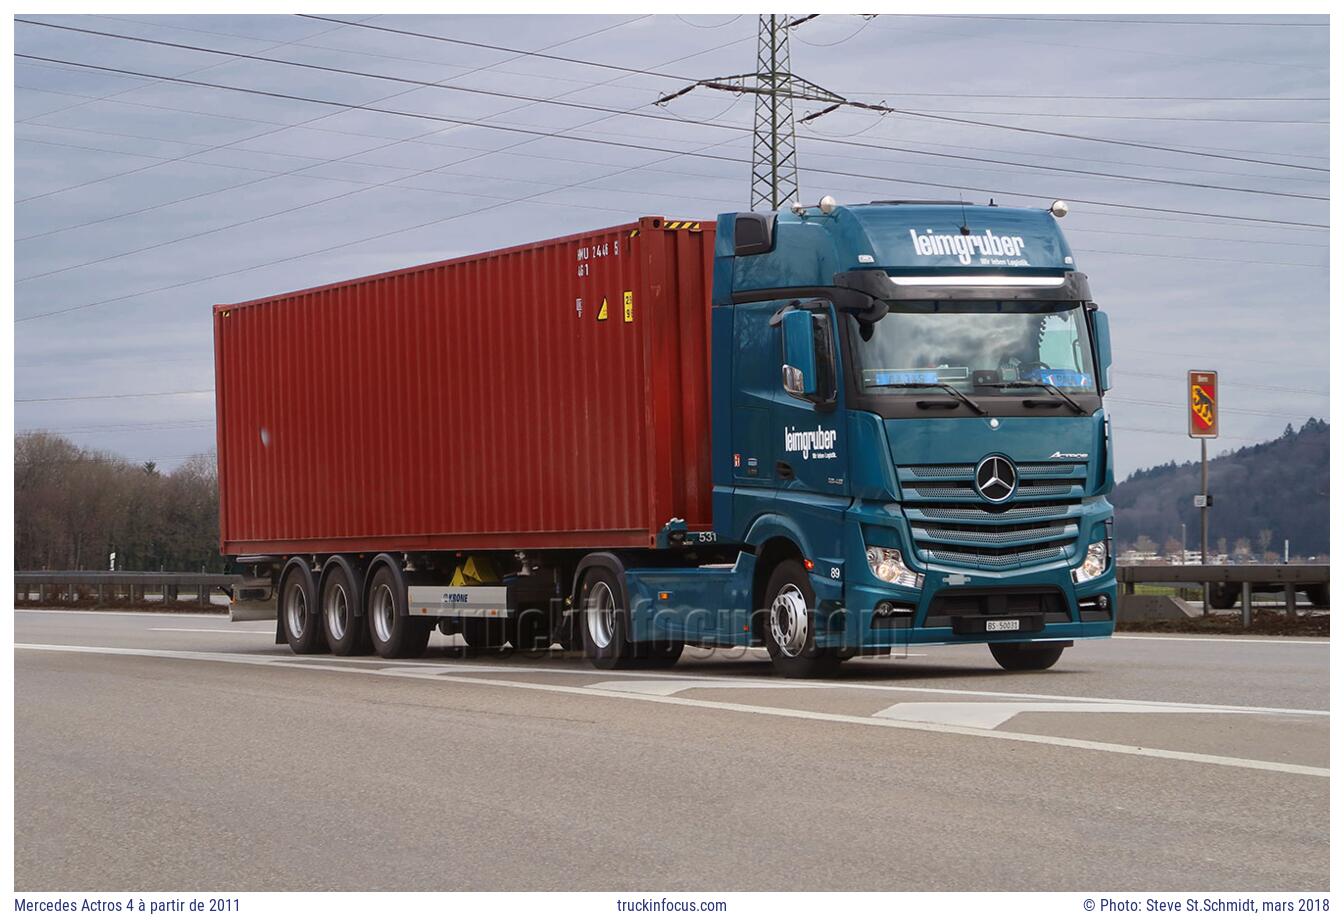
<point x="909" y="432"/>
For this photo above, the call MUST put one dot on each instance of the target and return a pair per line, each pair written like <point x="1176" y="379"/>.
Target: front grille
<point x="953" y="525"/>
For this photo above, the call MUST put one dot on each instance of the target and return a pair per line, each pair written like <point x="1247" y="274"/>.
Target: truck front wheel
<point x="790" y="625"/>
<point x="1029" y="656"/>
<point x="394" y="632"/>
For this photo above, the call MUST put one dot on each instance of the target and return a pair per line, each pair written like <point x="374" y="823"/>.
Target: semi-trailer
<point x="828" y="431"/>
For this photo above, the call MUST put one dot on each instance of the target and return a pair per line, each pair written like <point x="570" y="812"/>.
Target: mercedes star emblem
<point x="996" y="479"/>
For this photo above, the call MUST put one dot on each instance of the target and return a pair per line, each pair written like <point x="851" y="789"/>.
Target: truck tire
<point x="1224" y="595"/>
<point x="343" y="614"/>
<point x="299" y="616"/>
<point x="392" y="630"/>
<point x="660" y="653"/>
<point x="1029" y="656"/>
<point x="790" y="625"/>
<point x="603" y="620"/>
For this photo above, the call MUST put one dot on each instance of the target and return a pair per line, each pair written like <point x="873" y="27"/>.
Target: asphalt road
<point x="178" y="752"/>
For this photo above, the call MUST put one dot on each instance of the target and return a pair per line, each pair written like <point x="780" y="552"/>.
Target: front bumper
<point x="954" y="603"/>
<point x="946" y="612"/>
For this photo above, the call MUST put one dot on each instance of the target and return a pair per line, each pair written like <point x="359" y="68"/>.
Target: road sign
<point x="1202" y="390"/>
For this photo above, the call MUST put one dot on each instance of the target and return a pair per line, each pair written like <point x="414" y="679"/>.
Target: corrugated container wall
<point x="544" y="396"/>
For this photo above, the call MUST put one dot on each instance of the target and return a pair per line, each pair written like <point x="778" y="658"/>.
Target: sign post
<point x="1202" y="396"/>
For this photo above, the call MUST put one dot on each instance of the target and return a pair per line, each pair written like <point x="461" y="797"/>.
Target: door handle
<point x="783" y="470"/>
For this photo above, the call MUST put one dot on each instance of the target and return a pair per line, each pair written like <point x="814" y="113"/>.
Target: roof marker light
<point x="1059" y="208"/>
<point x="827" y="204"/>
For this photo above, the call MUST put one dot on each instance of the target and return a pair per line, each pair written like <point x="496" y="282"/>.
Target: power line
<point x="239" y="55"/>
<point x="608" y="142"/>
<point x="646" y="72"/>
<point x="44" y="399"/>
<point x="589" y="107"/>
<point x="677" y="77"/>
<point x="1118" y="22"/>
<point x="393" y="232"/>
<point x="1230" y="383"/>
<point x="1108" y="97"/>
<point x="399" y="184"/>
<point x="1112" y="116"/>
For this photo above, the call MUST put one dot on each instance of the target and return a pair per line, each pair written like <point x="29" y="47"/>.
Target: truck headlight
<point x="888" y="566"/>
<point x="1098" y="556"/>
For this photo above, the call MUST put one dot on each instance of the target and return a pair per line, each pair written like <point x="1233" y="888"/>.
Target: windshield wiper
<point x="975" y="406"/>
<point x="1044" y="385"/>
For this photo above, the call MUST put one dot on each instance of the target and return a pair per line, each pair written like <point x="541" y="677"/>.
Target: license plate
<point x="1002" y="625"/>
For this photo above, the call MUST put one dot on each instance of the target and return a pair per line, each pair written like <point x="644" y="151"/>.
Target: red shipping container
<point x="544" y="396"/>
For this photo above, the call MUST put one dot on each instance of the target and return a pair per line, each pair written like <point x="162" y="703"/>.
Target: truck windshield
<point x="978" y="345"/>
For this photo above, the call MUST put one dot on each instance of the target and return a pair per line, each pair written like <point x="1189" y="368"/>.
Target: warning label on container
<point x="629" y="306"/>
<point x="602" y="311"/>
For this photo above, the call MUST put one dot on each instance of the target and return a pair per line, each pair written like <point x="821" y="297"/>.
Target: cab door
<point x="808" y="428"/>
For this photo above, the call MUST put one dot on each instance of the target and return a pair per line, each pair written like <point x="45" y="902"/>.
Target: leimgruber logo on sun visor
<point x="989" y="247"/>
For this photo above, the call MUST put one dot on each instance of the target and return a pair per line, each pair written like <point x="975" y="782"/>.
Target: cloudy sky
<point x="141" y="201"/>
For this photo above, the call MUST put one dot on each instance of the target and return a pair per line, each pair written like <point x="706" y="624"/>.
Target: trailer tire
<point x="604" y="621"/>
<point x="790" y="625"/>
<point x="1028" y="656"/>
<point x="299" y="606"/>
<point x="343" y="613"/>
<point x="392" y="630"/>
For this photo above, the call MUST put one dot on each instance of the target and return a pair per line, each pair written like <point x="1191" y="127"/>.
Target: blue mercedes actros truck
<point x="930" y="459"/>
<point x="864" y="428"/>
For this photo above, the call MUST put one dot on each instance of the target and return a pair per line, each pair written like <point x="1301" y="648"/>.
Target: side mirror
<point x="1101" y="328"/>
<point x="800" y="358"/>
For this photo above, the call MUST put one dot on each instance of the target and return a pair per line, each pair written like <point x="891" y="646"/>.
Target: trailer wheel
<point x="393" y="631"/>
<point x="602" y="618"/>
<point x="790" y="625"/>
<point x="299" y="615"/>
<point x="343" y="614"/>
<point x="1029" y="656"/>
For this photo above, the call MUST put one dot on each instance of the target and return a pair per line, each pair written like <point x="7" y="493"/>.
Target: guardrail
<point x="1288" y="578"/>
<point x="114" y="586"/>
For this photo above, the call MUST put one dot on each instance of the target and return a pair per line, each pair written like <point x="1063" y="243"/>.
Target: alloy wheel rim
<point x="789" y="621"/>
<point x="601" y="614"/>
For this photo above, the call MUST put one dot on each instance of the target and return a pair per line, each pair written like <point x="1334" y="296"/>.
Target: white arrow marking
<point x="992" y="715"/>
<point x="669" y="687"/>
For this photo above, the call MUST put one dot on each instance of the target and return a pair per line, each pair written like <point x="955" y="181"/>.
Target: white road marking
<point x="992" y="715"/>
<point x="708" y="680"/>
<point x="669" y="687"/>
<point x="779" y="712"/>
<point x="1323" y="643"/>
<point x="167" y="614"/>
<point x="222" y="632"/>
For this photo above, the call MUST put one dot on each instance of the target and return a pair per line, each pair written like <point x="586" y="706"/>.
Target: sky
<point x="141" y="201"/>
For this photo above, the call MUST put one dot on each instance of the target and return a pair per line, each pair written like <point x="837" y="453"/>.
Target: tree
<point x="1241" y="550"/>
<point x="1173" y="548"/>
<point x="1144" y="545"/>
<point x="1263" y="539"/>
<point x="1222" y="546"/>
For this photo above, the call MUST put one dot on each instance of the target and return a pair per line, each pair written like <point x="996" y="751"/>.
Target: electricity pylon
<point x="774" y="154"/>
